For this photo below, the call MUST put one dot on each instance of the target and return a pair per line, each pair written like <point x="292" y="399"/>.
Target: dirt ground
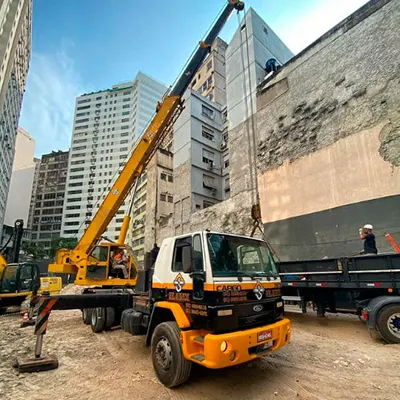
<point x="333" y="358"/>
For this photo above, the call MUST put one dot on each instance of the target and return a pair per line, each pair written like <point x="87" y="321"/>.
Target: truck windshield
<point x="237" y="256"/>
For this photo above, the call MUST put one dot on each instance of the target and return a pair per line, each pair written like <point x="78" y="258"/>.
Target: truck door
<point x="198" y="269"/>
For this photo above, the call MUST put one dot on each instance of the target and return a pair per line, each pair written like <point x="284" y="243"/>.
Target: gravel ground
<point x="328" y="359"/>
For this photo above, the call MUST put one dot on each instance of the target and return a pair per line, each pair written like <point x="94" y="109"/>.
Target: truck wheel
<point x="110" y="317"/>
<point x="87" y="315"/>
<point x="98" y="320"/>
<point x="171" y="368"/>
<point x="389" y="323"/>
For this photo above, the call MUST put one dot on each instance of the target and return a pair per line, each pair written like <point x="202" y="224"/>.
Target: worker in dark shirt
<point x="154" y="253"/>
<point x="369" y="240"/>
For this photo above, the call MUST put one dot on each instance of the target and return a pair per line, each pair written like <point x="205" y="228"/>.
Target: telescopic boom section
<point x="151" y="137"/>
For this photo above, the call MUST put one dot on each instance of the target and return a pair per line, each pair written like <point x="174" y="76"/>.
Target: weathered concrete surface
<point x="348" y="83"/>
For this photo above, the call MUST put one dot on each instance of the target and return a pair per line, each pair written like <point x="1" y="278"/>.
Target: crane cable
<point x="251" y="135"/>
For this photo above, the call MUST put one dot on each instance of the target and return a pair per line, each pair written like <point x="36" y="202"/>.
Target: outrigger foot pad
<point x="37" y="364"/>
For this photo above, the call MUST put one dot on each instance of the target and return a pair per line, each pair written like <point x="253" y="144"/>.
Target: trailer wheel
<point x="87" y="315"/>
<point x="389" y="323"/>
<point x="110" y="317"/>
<point x="98" y="319"/>
<point x="171" y="368"/>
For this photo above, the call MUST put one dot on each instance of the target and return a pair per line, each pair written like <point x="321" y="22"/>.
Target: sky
<point x="80" y="46"/>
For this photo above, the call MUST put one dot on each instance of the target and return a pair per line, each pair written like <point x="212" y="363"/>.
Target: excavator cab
<point x="109" y="261"/>
<point x="17" y="281"/>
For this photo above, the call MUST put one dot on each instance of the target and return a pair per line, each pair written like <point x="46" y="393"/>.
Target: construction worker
<point x="154" y="253"/>
<point x="369" y="240"/>
<point x="119" y="262"/>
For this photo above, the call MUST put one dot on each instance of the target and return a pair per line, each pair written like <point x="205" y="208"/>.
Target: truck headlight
<point x="223" y="346"/>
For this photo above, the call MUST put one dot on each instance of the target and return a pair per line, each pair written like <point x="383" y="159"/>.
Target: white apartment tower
<point x="107" y="125"/>
<point x="15" y="53"/>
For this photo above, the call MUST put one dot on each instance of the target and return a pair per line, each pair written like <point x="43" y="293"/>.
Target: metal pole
<point x="38" y="346"/>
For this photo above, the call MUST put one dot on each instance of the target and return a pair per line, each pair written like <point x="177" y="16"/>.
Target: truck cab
<point x="224" y="293"/>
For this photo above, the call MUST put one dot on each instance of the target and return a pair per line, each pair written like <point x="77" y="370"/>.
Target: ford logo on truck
<point x="258" y="308"/>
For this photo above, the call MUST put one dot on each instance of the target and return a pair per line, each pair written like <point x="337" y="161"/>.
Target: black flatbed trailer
<point x="368" y="286"/>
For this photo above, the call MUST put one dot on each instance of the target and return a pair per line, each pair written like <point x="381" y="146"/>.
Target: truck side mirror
<point x="187" y="259"/>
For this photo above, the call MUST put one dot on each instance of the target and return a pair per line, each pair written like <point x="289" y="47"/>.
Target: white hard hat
<point x="368" y="226"/>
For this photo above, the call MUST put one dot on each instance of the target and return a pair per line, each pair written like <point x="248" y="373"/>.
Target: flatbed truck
<point x="368" y="286"/>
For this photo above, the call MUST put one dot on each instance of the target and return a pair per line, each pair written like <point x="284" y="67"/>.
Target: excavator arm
<point x="76" y="260"/>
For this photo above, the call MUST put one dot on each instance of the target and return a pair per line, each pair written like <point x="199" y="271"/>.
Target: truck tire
<point x="388" y="323"/>
<point x="87" y="315"/>
<point x="98" y="319"/>
<point x="110" y="317"/>
<point x="171" y="368"/>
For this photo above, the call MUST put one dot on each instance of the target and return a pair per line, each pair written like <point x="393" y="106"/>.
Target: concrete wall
<point x="329" y="138"/>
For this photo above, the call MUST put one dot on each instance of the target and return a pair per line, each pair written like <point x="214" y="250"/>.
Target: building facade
<point x="15" y="53"/>
<point x="48" y="196"/>
<point x="23" y="172"/>
<point x="200" y="163"/>
<point x="107" y="125"/>
<point x="210" y="80"/>
<point x="33" y="195"/>
<point x="252" y="45"/>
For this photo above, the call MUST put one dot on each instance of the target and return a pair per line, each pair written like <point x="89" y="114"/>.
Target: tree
<point x="34" y="249"/>
<point x="61" y="243"/>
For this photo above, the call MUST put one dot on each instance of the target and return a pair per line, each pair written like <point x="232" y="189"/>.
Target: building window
<point x="207" y="133"/>
<point x="170" y="199"/>
<point x="84" y="101"/>
<point x="207" y="112"/>
<point x="80" y="121"/>
<point x="210" y="96"/>
<point x="207" y="84"/>
<point x="226" y="162"/>
<point x="163" y="197"/>
<point x="209" y="182"/>
<point x="207" y="204"/>
<point x="125" y="120"/>
<point x="209" y="65"/>
<point x="208" y="157"/>
<point x="126" y="106"/>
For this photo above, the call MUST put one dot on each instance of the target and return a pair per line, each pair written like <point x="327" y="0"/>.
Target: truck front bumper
<point x="228" y="349"/>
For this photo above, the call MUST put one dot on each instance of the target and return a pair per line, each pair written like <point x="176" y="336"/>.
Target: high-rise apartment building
<point x="33" y="195"/>
<point x="107" y="125"/>
<point x="46" y="214"/>
<point x="210" y="80"/>
<point x="15" y="53"/>
<point x="199" y="164"/>
<point x="23" y="172"/>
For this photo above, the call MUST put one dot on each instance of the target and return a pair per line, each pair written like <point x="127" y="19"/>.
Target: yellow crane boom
<point x="82" y="256"/>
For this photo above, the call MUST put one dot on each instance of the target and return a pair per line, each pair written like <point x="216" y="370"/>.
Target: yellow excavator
<point x="19" y="280"/>
<point x="209" y="298"/>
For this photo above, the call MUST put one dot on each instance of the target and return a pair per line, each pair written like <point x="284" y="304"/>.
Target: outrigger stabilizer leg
<point x="39" y="362"/>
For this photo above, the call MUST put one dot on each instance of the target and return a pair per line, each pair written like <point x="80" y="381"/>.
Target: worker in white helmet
<point x="369" y="240"/>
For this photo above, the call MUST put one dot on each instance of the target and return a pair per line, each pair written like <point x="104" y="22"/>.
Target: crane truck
<point x="211" y="298"/>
